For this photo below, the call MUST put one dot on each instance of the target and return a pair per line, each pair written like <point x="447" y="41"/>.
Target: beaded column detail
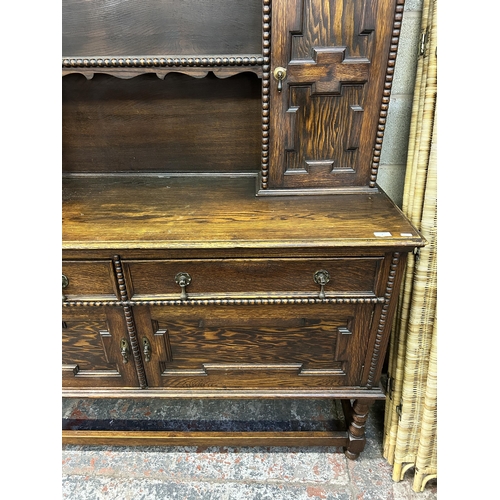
<point x="383" y="317"/>
<point x="389" y="75"/>
<point x="130" y="322"/>
<point x="266" y="76"/>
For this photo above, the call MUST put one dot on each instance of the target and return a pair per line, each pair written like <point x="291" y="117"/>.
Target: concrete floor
<point x="219" y="473"/>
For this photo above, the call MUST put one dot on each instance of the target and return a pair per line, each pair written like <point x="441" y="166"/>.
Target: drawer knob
<point x="183" y="280"/>
<point x="65" y="283"/>
<point x="321" y="278"/>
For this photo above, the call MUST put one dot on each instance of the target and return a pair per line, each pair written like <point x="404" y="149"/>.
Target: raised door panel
<point x="325" y="111"/>
<point x="96" y="350"/>
<point x="299" y="346"/>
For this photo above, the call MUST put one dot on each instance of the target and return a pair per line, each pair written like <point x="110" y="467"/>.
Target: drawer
<point x="89" y="278"/>
<point x="254" y="277"/>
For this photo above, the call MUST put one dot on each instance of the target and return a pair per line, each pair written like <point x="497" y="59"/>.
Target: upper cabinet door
<point x="331" y="69"/>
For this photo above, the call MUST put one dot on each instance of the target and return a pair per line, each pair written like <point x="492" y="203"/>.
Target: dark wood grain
<point x="180" y="154"/>
<point x="148" y="27"/>
<point x="90" y="278"/>
<point x="222" y="212"/>
<point x="150" y="125"/>
<point x="254" y="277"/>
<point x="161" y="438"/>
<point x="336" y="55"/>
<point x="91" y="349"/>
<point x="83" y="345"/>
<point x="257" y="346"/>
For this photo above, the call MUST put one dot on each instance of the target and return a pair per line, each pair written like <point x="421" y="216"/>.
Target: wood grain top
<point x="155" y="212"/>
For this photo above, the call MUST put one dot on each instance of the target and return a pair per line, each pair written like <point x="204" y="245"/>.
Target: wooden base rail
<point x="351" y="438"/>
<point x="172" y="438"/>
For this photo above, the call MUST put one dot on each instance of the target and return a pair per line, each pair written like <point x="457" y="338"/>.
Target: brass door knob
<point x="280" y="74"/>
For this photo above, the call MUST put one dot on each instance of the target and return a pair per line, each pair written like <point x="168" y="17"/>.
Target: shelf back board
<point x="149" y="27"/>
<point x="145" y="124"/>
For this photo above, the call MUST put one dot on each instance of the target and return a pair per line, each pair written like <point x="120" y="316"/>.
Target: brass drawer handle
<point x="124" y="350"/>
<point x="183" y="280"/>
<point x="65" y="283"/>
<point x="279" y="74"/>
<point x="321" y="278"/>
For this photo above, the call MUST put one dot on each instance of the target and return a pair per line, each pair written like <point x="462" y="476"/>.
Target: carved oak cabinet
<point x="223" y="232"/>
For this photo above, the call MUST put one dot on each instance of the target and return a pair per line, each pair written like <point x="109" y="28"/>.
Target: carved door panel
<point x="96" y="350"/>
<point x="328" y="110"/>
<point x="250" y="346"/>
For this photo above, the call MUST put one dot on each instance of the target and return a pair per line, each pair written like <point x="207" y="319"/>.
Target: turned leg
<point x="356" y="416"/>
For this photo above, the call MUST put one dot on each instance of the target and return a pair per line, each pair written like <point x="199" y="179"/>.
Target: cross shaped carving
<point x="328" y="70"/>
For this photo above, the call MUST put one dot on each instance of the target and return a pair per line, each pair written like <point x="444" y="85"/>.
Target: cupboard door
<point x="324" y="113"/>
<point x="96" y="350"/>
<point x="299" y="346"/>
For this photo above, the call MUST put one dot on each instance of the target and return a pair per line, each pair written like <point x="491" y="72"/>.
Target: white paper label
<point x="382" y="234"/>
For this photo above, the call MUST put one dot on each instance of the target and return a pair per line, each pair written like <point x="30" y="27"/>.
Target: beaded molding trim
<point x="159" y="62"/>
<point x="129" y="318"/>
<point x="389" y="75"/>
<point x="225" y="302"/>
<point x="383" y="317"/>
<point x="384" y="106"/>
<point x="266" y="82"/>
<point x="131" y="62"/>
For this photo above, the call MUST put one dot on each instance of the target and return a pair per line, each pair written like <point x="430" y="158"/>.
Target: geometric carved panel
<point x="327" y="71"/>
<point x="96" y="350"/>
<point x="335" y="148"/>
<point x="327" y="115"/>
<point x="87" y="344"/>
<point x="261" y="346"/>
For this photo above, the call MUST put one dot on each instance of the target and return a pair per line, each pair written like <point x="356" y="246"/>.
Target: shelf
<point x="197" y="66"/>
<point x="222" y="212"/>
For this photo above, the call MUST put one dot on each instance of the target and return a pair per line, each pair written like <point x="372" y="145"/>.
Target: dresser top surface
<point x="222" y="212"/>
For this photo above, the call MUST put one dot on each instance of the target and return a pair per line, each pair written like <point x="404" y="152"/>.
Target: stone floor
<point x="219" y="473"/>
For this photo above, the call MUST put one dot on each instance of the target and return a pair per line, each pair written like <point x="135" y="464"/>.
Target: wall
<point x="392" y="165"/>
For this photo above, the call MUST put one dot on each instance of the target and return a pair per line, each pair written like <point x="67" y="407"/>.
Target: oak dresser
<point x="223" y="232"/>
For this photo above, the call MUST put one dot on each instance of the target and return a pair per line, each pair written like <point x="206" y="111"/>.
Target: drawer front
<point x="253" y="277"/>
<point x="317" y="346"/>
<point x="89" y="279"/>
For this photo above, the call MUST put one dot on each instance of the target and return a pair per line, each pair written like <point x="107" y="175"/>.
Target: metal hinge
<point x="416" y="253"/>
